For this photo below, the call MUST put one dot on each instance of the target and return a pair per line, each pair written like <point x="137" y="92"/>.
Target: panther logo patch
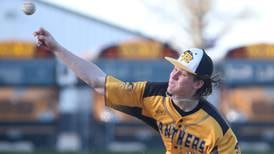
<point x="187" y="56"/>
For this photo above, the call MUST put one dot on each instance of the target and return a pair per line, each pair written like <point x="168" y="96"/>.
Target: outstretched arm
<point x="87" y="71"/>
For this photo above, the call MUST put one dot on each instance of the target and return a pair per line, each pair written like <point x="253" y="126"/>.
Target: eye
<point x="176" y="70"/>
<point x="185" y="74"/>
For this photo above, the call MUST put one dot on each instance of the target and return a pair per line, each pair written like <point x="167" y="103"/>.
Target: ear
<point x="198" y="84"/>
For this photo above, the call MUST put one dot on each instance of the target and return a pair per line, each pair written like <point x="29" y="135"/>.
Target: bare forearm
<point x="87" y="71"/>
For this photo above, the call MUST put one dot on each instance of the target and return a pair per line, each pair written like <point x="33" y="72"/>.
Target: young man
<point x="186" y="122"/>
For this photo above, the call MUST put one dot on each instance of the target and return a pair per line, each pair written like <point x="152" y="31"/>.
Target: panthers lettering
<point x="185" y="139"/>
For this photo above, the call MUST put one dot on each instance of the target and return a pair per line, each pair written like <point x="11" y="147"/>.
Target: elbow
<point x="92" y="83"/>
<point x="97" y="86"/>
<point x="97" y="82"/>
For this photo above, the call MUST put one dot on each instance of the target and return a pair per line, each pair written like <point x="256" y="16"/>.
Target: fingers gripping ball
<point x="28" y="8"/>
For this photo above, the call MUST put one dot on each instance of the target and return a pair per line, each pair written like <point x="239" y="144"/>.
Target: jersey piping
<point x="211" y="110"/>
<point x="137" y="112"/>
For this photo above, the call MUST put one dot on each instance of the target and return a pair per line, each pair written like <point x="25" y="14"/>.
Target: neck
<point x="186" y="104"/>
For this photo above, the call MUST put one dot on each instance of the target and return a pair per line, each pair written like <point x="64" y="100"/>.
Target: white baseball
<point x="28" y="8"/>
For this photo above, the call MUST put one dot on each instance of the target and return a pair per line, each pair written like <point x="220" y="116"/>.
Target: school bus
<point x="247" y="98"/>
<point x="28" y="93"/>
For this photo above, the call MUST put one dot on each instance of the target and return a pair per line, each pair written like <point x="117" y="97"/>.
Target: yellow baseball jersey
<point x="201" y="131"/>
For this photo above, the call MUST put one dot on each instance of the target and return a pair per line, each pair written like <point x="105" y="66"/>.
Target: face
<point x="182" y="84"/>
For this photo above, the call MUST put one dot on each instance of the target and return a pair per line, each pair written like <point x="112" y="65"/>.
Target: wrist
<point x="57" y="49"/>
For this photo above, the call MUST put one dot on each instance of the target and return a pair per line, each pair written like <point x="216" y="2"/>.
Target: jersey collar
<point x="175" y="112"/>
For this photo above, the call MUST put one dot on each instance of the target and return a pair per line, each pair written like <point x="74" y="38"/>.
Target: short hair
<point x="209" y="82"/>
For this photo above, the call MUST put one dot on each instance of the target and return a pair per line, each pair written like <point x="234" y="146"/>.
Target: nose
<point x="174" y="74"/>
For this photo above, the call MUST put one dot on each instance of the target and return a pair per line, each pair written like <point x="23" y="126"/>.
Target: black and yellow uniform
<point x="202" y="130"/>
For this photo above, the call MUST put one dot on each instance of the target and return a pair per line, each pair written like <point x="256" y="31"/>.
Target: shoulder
<point x="212" y="111"/>
<point x="155" y="89"/>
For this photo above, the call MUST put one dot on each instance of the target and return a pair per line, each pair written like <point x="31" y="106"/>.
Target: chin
<point x="170" y="91"/>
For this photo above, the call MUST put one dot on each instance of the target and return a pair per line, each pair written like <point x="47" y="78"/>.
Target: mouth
<point x="170" y="82"/>
<point x="171" y="85"/>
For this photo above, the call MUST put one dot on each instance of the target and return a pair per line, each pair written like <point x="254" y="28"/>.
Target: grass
<point x="108" y="152"/>
<point x="87" y="152"/>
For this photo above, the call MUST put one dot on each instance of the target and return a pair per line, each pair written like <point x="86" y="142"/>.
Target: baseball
<point x="28" y="8"/>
